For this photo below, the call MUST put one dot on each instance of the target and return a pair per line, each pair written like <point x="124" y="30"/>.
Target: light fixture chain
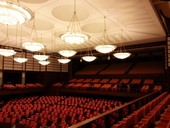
<point x="74" y="6"/>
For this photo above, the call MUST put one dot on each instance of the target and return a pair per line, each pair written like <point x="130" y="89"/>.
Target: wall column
<point x="167" y="62"/>
<point x="1" y="72"/>
<point x="23" y="77"/>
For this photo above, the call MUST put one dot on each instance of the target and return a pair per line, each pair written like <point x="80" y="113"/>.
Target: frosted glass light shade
<point x="7" y="52"/>
<point x="44" y="62"/>
<point x="105" y="48"/>
<point x="20" y="59"/>
<point x="41" y="57"/>
<point x="67" y="53"/>
<point x="122" y="55"/>
<point x="14" y="13"/>
<point x="64" y="61"/>
<point x="74" y="38"/>
<point x="89" y="58"/>
<point x="33" y="46"/>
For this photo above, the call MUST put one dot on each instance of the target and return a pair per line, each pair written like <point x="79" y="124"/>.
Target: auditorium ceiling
<point x="139" y="20"/>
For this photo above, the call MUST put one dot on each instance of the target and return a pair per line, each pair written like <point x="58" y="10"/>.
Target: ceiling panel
<point x="136" y="19"/>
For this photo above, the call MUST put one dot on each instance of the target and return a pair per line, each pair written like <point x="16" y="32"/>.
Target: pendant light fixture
<point x="44" y="62"/>
<point x="40" y="56"/>
<point x="20" y="57"/>
<point x="121" y="52"/>
<point x="12" y="12"/>
<point x="64" y="60"/>
<point x="31" y="45"/>
<point x="104" y="47"/>
<point x="74" y="34"/>
<point x="5" y="51"/>
<point x="89" y="56"/>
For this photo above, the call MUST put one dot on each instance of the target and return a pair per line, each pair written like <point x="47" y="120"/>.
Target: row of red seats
<point x="21" y="86"/>
<point x="54" y="111"/>
<point x="164" y="121"/>
<point x="106" y="81"/>
<point x="146" y="115"/>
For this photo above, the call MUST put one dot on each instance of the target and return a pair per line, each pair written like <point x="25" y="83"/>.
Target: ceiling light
<point x="121" y="52"/>
<point x="67" y="53"/>
<point x="13" y="13"/>
<point x="44" y="62"/>
<point x="7" y="52"/>
<point x="20" y="59"/>
<point x="88" y="58"/>
<point x="64" y="60"/>
<point x="74" y="34"/>
<point x="122" y="55"/>
<point x="104" y="47"/>
<point x="33" y="45"/>
<point x="41" y="57"/>
<point x="4" y="51"/>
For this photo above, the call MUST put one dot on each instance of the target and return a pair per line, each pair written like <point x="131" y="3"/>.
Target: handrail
<point x="108" y="112"/>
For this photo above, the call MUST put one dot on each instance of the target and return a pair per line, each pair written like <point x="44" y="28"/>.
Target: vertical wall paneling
<point x="8" y="63"/>
<point x="36" y="65"/>
<point x="42" y="68"/>
<point x="168" y="50"/>
<point x="64" y="67"/>
<point x="54" y="66"/>
<point x="1" y="62"/>
<point x="30" y="62"/>
<point x="1" y="78"/>
<point x="17" y="66"/>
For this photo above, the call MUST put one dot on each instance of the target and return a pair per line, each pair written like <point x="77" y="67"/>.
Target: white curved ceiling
<point x="137" y="18"/>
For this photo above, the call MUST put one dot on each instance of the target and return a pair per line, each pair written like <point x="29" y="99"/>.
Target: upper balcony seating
<point x="119" y="68"/>
<point x="147" y="85"/>
<point x="154" y="67"/>
<point x="57" y="85"/>
<point x="72" y="80"/>
<point x="87" y="80"/>
<point x="157" y="88"/>
<point x="91" y="69"/>
<point x="104" y="81"/>
<point x="21" y="86"/>
<point x="95" y="81"/>
<point x="135" y="83"/>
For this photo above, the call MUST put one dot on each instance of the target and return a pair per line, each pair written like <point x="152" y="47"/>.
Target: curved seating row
<point x="53" y="111"/>
<point x="113" y="84"/>
<point x="146" y="116"/>
<point x="21" y="86"/>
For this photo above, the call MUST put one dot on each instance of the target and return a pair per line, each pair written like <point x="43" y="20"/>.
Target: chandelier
<point x="74" y="34"/>
<point x="7" y="52"/>
<point x="41" y="57"/>
<point x="67" y="53"/>
<point x="121" y="53"/>
<point x="31" y="45"/>
<point x="64" y="60"/>
<point x="20" y="59"/>
<point x="4" y="51"/>
<point x="44" y="62"/>
<point x="105" y="48"/>
<point x="13" y="13"/>
<point x="89" y="56"/>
